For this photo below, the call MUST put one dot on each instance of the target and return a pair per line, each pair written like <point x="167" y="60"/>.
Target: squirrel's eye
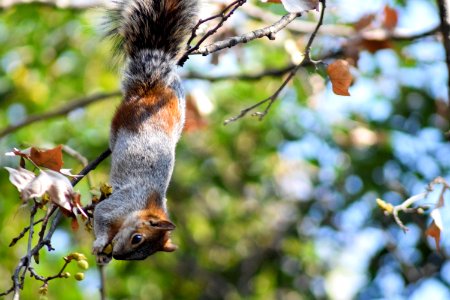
<point x="136" y="239"/>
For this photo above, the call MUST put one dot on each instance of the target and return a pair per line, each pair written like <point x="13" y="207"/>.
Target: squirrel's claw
<point x="103" y="259"/>
<point x="99" y="250"/>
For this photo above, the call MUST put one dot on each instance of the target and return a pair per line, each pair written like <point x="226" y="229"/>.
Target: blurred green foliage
<point x="264" y="210"/>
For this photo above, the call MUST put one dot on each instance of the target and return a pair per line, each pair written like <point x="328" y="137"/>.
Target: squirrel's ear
<point x="169" y="247"/>
<point x="165" y="225"/>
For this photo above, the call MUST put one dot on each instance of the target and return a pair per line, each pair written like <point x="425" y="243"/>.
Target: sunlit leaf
<point x="20" y="177"/>
<point x="56" y="185"/>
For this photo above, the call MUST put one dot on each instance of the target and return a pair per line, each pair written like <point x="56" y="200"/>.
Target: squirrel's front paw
<point x="98" y="245"/>
<point x="103" y="259"/>
<point x="102" y="250"/>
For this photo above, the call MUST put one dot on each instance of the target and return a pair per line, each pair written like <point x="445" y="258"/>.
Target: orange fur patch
<point x="153" y="209"/>
<point x="158" y="107"/>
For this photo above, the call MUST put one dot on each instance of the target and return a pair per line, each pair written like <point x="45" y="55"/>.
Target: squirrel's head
<point x="141" y="235"/>
<point x="144" y="232"/>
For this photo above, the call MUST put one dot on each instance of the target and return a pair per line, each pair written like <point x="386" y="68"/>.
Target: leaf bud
<point x="78" y="256"/>
<point x="79" y="276"/>
<point x="83" y="264"/>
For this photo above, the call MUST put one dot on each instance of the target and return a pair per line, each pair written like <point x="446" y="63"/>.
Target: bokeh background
<point x="279" y="209"/>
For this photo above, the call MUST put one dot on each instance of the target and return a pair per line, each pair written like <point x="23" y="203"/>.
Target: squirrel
<point x="145" y="129"/>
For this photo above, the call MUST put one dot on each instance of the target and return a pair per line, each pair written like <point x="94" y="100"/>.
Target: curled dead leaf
<point x="434" y="232"/>
<point x="340" y="76"/>
<point x="390" y="18"/>
<point x="51" y="158"/>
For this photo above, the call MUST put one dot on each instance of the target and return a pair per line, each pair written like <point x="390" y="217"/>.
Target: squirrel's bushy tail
<point x="151" y="33"/>
<point x="153" y="24"/>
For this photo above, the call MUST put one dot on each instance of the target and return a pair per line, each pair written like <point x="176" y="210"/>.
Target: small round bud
<point x="65" y="275"/>
<point x="83" y="264"/>
<point x="79" y="276"/>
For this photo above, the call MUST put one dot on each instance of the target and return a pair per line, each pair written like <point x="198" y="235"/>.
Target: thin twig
<point x="243" y="77"/>
<point x="92" y="165"/>
<point x="405" y="206"/>
<point x="72" y="105"/>
<point x="102" y="270"/>
<point x="24" y="231"/>
<point x="273" y="72"/>
<point x="45" y="223"/>
<point x="47" y="279"/>
<point x="268" y="31"/>
<point x="73" y="5"/>
<point x="226" y="13"/>
<point x="348" y="31"/>
<point x="306" y="59"/>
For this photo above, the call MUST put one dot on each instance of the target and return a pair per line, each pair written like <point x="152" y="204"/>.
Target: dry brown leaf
<point x="51" y="158"/>
<point x="390" y="18"/>
<point x="437" y="225"/>
<point x="374" y="45"/>
<point x="434" y="232"/>
<point x="340" y="76"/>
<point x="364" y="22"/>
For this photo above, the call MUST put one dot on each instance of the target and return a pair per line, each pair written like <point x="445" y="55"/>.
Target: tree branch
<point x="101" y="269"/>
<point x="226" y="13"/>
<point x="270" y="100"/>
<point x="74" y="104"/>
<point x="5" y="4"/>
<point x="25" y="261"/>
<point x="302" y="26"/>
<point x="269" y="32"/>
